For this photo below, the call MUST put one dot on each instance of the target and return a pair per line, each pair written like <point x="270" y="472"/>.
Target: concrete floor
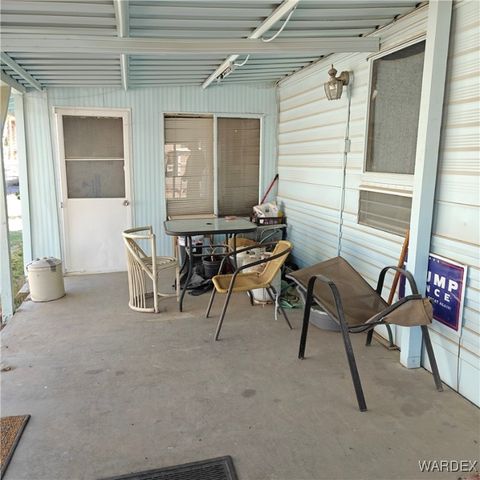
<point x="112" y="391"/>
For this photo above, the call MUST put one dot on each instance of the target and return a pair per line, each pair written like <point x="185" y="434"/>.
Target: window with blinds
<point x="189" y="178"/>
<point x="390" y="213"/>
<point x="238" y="157"/>
<point x="189" y="165"/>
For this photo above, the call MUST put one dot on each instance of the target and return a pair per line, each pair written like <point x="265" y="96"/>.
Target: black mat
<point x="220" y="468"/>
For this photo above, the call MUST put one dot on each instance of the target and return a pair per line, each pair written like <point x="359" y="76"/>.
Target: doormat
<point x="11" y="430"/>
<point x="220" y="468"/>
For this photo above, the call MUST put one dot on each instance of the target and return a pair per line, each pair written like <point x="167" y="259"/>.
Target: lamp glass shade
<point x="333" y="88"/>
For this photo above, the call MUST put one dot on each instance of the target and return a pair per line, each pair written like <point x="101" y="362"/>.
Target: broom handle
<point x="269" y="188"/>
<point x="401" y="261"/>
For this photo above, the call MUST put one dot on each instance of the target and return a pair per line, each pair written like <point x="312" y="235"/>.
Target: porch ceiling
<point x="140" y="43"/>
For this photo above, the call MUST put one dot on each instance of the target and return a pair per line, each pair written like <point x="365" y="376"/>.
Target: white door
<point x="96" y="207"/>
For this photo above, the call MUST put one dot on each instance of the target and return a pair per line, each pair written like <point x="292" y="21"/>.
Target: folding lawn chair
<point x="348" y="298"/>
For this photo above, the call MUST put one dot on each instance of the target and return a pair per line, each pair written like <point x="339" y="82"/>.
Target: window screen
<point x="390" y="213"/>
<point x="95" y="178"/>
<point x="92" y="137"/>
<point x="94" y="160"/>
<point x="189" y="165"/>
<point x="238" y="157"/>
<point x="394" y="108"/>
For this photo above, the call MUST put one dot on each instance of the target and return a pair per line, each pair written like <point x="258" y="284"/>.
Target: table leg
<point x="235" y="250"/>
<point x="189" y="252"/>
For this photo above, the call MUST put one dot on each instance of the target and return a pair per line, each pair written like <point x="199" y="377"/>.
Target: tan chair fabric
<point x="415" y="311"/>
<point x="360" y="300"/>
<point x="361" y="303"/>
<point x="240" y="242"/>
<point x="244" y="282"/>
<point x="250" y="281"/>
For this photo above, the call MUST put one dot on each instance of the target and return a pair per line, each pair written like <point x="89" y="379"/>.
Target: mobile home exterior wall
<point x="147" y="108"/>
<point x="311" y="156"/>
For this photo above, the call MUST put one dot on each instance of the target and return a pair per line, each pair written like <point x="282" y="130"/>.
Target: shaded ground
<point x="112" y="391"/>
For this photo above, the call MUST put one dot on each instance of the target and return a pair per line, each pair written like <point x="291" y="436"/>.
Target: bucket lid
<point x="45" y="262"/>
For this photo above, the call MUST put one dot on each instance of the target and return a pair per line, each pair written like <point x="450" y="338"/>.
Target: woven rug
<point x="213" y="469"/>
<point x="11" y="429"/>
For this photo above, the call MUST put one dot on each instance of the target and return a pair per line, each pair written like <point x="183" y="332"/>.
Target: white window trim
<point x="215" y="117"/>
<point x="401" y="180"/>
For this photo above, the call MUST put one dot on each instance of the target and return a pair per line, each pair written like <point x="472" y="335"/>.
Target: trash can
<point x="45" y="277"/>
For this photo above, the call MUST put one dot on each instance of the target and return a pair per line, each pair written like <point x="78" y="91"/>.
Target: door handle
<point x="126" y="203"/>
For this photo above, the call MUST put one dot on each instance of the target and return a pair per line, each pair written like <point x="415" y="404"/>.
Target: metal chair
<point x="348" y="298"/>
<point x="144" y="269"/>
<point x="245" y="282"/>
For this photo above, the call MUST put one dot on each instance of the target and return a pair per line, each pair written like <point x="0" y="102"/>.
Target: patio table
<point x="191" y="227"/>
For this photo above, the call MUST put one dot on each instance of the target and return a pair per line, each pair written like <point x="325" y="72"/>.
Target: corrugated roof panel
<point x="70" y="17"/>
<point x="181" y="19"/>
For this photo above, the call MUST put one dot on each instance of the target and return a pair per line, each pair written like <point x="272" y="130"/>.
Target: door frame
<point x="58" y="113"/>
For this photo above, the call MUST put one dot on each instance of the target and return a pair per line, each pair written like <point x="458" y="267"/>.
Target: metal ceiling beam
<point x="156" y="46"/>
<point x="12" y="82"/>
<point x="277" y="14"/>
<point x="56" y="8"/>
<point x="121" y="16"/>
<point x="20" y="71"/>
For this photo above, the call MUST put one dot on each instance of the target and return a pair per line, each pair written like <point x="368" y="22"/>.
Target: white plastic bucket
<point x="45" y="278"/>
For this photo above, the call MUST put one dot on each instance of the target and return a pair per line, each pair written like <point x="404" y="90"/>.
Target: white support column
<point x="5" y="261"/>
<point x="23" y="178"/>
<point x="426" y="161"/>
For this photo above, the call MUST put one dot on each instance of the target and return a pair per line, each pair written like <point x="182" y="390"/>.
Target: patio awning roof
<point x="140" y="43"/>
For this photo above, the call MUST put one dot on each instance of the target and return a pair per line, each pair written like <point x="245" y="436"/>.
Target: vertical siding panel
<point x="42" y="179"/>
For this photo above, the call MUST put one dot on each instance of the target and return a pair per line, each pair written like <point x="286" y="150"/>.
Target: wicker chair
<point x="144" y="269"/>
<point x="245" y="282"/>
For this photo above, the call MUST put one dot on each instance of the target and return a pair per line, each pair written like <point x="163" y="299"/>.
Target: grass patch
<point x="16" y="258"/>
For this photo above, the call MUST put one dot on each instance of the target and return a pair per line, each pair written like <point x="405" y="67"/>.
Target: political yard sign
<point x="446" y="288"/>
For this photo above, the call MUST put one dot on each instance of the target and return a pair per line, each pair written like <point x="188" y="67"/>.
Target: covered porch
<point x="112" y="391"/>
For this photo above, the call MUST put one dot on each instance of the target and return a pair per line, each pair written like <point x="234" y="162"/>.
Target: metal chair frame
<point x="270" y="289"/>
<point x="366" y="327"/>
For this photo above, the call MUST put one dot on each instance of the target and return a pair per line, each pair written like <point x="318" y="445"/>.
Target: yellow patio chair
<point x="245" y="282"/>
<point x="143" y="269"/>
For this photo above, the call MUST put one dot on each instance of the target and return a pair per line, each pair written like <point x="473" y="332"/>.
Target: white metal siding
<point x="311" y="146"/>
<point x="456" y="227"/>
<point x="41" y="177"/>
<point x="148" y="106"/>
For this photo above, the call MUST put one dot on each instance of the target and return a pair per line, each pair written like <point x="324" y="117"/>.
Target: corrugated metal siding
<point x="41" y="176"/>
<point x="311" y="145"/>
<point x="147" y="106"/>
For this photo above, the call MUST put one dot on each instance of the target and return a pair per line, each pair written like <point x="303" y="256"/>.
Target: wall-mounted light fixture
<point x="334" y="86"/>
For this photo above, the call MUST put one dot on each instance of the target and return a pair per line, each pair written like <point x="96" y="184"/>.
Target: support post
<point x="426" y="162"/>
<point x="23" y="178"/>
<point x="6" y="288"/>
